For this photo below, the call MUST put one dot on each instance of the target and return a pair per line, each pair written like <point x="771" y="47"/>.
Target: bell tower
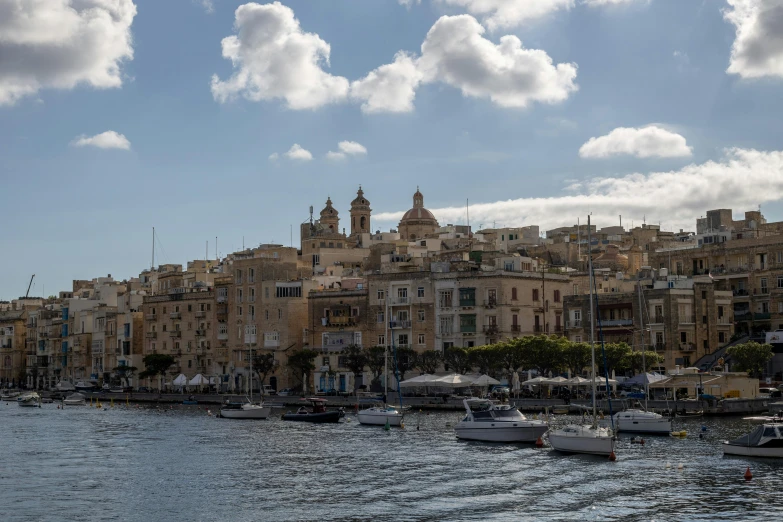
<point x="360" y="214"/>
<point x="329" y="218"/>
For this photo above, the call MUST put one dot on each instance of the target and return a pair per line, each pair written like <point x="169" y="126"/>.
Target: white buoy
<point x="668" y="465"/>
<point x="680" y="466"/>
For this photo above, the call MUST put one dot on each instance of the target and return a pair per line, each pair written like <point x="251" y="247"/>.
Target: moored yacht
<point x="641" y="421"/>
<point x="244" y="410"/>
<point x="29" y="399"/>
<point x="487" y="421"/>
<point x="574" y="438"/>
<point x="74" y="399"/>
<point x="380" y="415"/>
<point x="765" y="441"/>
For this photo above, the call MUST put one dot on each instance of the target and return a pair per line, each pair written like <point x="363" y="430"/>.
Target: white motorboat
<point x="65" y="386"/>
<point x="380" y="415"/>
<point x="641" y="421"/>
<point x="765" y="441"/>
<point x="75" y="399"/>
<point x="488" y="421"/>
<point x="574" y="438"/>
<point x="9" y="396"/>
<point x="29" y="400"/>
<point x="82" y="386"/>
<point x="245" y="410"/>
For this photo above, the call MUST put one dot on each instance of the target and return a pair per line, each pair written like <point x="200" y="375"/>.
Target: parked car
<point x="268" y="390"/>
<point x="285" y="392"/>
<point x="144" y="389"/>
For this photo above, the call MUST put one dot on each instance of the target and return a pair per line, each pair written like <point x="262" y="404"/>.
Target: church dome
<point x="418" y="213"/>
<point x="418" y="221"/>
<point x="360" y="199"/>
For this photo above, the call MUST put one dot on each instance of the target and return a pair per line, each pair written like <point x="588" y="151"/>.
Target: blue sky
<point x="682" y="99"/>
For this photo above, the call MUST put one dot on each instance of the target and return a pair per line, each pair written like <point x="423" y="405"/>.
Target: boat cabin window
<point x="769" y="431"/>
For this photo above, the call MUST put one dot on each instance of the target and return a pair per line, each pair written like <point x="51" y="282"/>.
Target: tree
<point x="355" y="360"/>
<point x="457" y="359"/>
<point x="751" y="357"/>
<point x="125" y="372"/>
<point x="376" y="361"/>
<point x="546" y="353"/>
<point x="513" y="355"/>
<point x="576" y="357"/>
<point x="428" y="362"/>
<point x="633" y="361"/>
<point x="301" y="363"/>
<point x="487" y="359"/>
<point x="616" y="357"/>
<point x="156" y="364"/>
<point x="405" y="359"/>
<point x="263" y="365"/>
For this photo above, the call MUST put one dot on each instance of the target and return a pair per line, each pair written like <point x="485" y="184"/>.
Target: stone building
<point x="683" y="320"/>
<point x="13" y="356"/>
<point x="360" y="214"/>
<point x="418" y="222"/>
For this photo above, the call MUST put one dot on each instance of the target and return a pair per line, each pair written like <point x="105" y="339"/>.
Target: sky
<point x="225" y="119"/>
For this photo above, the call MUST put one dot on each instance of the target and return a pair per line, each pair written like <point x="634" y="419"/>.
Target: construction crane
<point x="29" y="287"/>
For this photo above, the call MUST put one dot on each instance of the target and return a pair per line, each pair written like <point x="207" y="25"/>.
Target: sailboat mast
<point x="386" y="353"/>
<point x="592" y="311"/>
<point x="251" y="375"/>
<point x="152" y="265"/>
<point x="644" y="362"/>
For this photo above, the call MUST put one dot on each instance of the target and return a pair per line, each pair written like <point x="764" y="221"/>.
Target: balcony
<point x="515" y="328"/>
<point x="576" y="323"/>
<point x="201" y="333"/>
<point x="222" y="310"/>
<point x="490" y="329"/>
<point x="175" y="333"/>
<point x="742" y="315"/>
<point x="724" y="320"/>
<point x="251" y="299"/>
<point x="467" y="302"/>
<point x="616" y="322"/>
<point x="339" y="321"/>
<point x="399" y="301"/>
<point x="467" y="329"/>
<point x="222" y="336"/>
<point x="175" y="315"/>
<point x="761" y="316"/>
<point x="687" y="347"/>
<point x="657" y="319"/>
<point x="200" y="313"/>
<point x="222" y="299"/>
<point x="558" y="328"/>
<point x="150" y="317"/>
<point x="491" y="303"/>
<point x="399" y="324"/>
<point x="538" y="328"/>
<point x="659" y="347"/>
<point x="687" y="319"/>
<point x="151" y="335"/>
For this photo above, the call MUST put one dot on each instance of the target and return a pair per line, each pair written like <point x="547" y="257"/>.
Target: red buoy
<point x="539" y="443"/>
<point x="748" y="474"/>
<point x="612" y="457"/>
<point x="642" y="443"/>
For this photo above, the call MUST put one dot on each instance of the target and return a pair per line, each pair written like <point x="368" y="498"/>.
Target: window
<point x="492" y="320"/>
<point x="535" y="294"/>
<point x="266" y="314"/>
<point x="402" y="293"/>
<point x="421" y="338"/>
<point x="704" y="294"/>
<point x="780" y="281"/>
<point x="381" y="295"/>
<point x="239" y="311"/>
<point x="239" y="295"/>
<point x="289" y="291"/>
<point x="238" y="277"/>
<point x="251" y="275"/>
<point x="467" y="297"/>
<point x="683" y="337"/>
<point x="467" y="323"/>
<point x="279" y="313"/>
<point x="252" y="311"/>
<point x="266" y="293"/>
<point x="703" y="319"/>
<point x="721" y="337"/>
<point x="578" y="339"/>
<point x="421" y="316"/>
<point x="514" y="293"/>
<point x="380" y="317"/>
<point x="402" y="315"/>
<point x="577" y="317"/>
<point x="420" y="292"/>
<point x="557" y="296"/>
<point x="190" y="363"/>
<point x="402" y="340"/>
<point x="446" y="325"/>
<point x="381" y="340"/>
<point x="325" y="361"/>
<point x="445" y="299"/>
<point x="780" y="308"/>
<point x="720" y="311"/>
<point x="765" y="308"/>
<point x="764" y="289"/>
<point x="576" y="289"/>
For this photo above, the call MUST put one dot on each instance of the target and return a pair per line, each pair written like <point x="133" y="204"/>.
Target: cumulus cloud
<point x="501" y="14"/>
<point x="456" y="53"/>
<point x="296" y="152"/>
<point x="345" y="149"/>
<point x="61" y="44"/>
<point x="409" y="3"/>
<point x="208" y="6"/>
<point x="644" y="142"/>
<point x="389" y="88"/>
<point x="104" y="140"/>
<point x="743" y="178"/>
<point x="274" y="156"/>
<point x="758" y="45"/>
<point x="599" y="3"/>
<point x="274" y="58"/>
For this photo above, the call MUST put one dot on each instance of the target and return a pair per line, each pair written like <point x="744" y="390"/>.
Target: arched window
<point x="514" y="293"/>
<point x="363" y="222"/>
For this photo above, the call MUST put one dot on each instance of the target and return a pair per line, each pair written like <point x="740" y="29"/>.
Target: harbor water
<point x="132" y="463"/>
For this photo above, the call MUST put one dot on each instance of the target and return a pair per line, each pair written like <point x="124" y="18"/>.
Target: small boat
<point x="573" y="438"/>
<point x="29" y="400"/>
<point x="765" y="441"/>
<point x="65" y="386"/>
<point x="242" y="410"/>
<point x="74" y="399"/>
<point x="47" y="400"/>
<point x="561" y="409"/>
<point x="488" y="421"/>
<point x="82" y="386"/>
<point x="9" y="396"/>
<point x="317" y="413"/>
<point x="641" y="421"/>
<point x="191" y="401"/>
<point x="380" y="415"/>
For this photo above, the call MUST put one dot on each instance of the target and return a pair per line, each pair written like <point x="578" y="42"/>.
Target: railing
<point x="657" y="319"/>
<point x="399" y="301"/>
<point x="576" y="323"/>
<point x="558" y="328"/>
<point x="616" y="322"/>
<point x="724" y="319"/>
<point x="490" y="329"/>
<point x="399" y="324"/>
<point x="740" y="293"/>
<point x="687" y="319"/>
<point x="343" y="320"/>
<point x="761" y="316"/>
<point x="222" y="336"/>
<point x="175" y="333"/>
<point x="515" y="328"/>
<point x="200" y="313"/>
<point x="538" y="328"/>
<point x="150" y="317"/>
<point x="175" y="315"/>
<point x="659" y="347"/>
<point x="222" y="299"/>
<point x="467" y="329"/>
<point x="467" y="302"/>
<point x="251" y="299"/>
<point x="743" y="315"/>
<point x="687" y="347"/>
<point x="491" y="303"/>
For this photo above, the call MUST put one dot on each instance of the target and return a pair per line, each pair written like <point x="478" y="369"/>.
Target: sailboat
<point x="578" y="438"/>
<point x="639" y="420"/>
<point x="245" y="410"/>
<point x="382" y="414"/>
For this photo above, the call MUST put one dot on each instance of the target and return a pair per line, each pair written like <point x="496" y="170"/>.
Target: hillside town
<point x="423" y="286"/>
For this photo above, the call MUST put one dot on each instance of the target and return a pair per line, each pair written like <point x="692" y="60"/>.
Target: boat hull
<point x="470" y="431"/>
<point x="319" y="418"/>
<point x="256" y="413"/>
<point x="752" y="451"/>
<point x="380" y="419"/>
<point x="661" y="426"/>
<point x="28" y="404"/>
<point x="582" y="440"/>
<point x="81" y="402"/>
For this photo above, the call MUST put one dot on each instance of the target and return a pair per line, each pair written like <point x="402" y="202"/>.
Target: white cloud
<point x="274" y="156"/>
<point x="347" y="148"/>
<point x="409" y="3"/>
<point x="62" y="43"/>
<point x="501" y="14"/>
<point x="296" y="152"/>
<point x="104" y="140"/>
<point x="600" y="3"/>
<point x="456" y="53"/>
<point x="208" y="6"/>
<point x="644" y="142"/>
<point x="758" y="46"/>
<point x="742" y="179"/>
<point x="389" y="88"/>
<point x="274" y="59"/>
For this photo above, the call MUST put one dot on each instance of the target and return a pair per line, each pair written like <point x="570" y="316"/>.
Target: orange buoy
<point x="748" y="475"/>
<point x="539" y="443"/>
<point x="612" y="456"/>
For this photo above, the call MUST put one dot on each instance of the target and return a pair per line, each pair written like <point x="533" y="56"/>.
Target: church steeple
<point x="418" y="199"/>
<point x="360" y="214"/>
<point x="329" y="217"/>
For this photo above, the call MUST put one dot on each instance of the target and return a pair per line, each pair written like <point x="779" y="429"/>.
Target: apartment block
<point x="13" y="356"/>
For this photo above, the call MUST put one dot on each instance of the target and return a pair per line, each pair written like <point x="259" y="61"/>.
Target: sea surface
<point x="132" y="463"/>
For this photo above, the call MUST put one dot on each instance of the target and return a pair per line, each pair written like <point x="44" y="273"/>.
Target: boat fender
<point x="539" y="443"/>
<point x="748" y="475"/>
<point x="612" y="457"/>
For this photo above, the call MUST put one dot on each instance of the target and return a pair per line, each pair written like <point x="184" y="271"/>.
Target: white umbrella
<point x="535" y="381"/>
<point x="420" y="380"/>
<point x="181" y="380"/>
<point x="304" y="384"/>
<point x="515" y="382"/>
<point x="578" y="381"/>
<point x="198" y="380"/>
<point x="485" y="380"/>
<point x="555" y="380"/>
<point x="454" y="380"/>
